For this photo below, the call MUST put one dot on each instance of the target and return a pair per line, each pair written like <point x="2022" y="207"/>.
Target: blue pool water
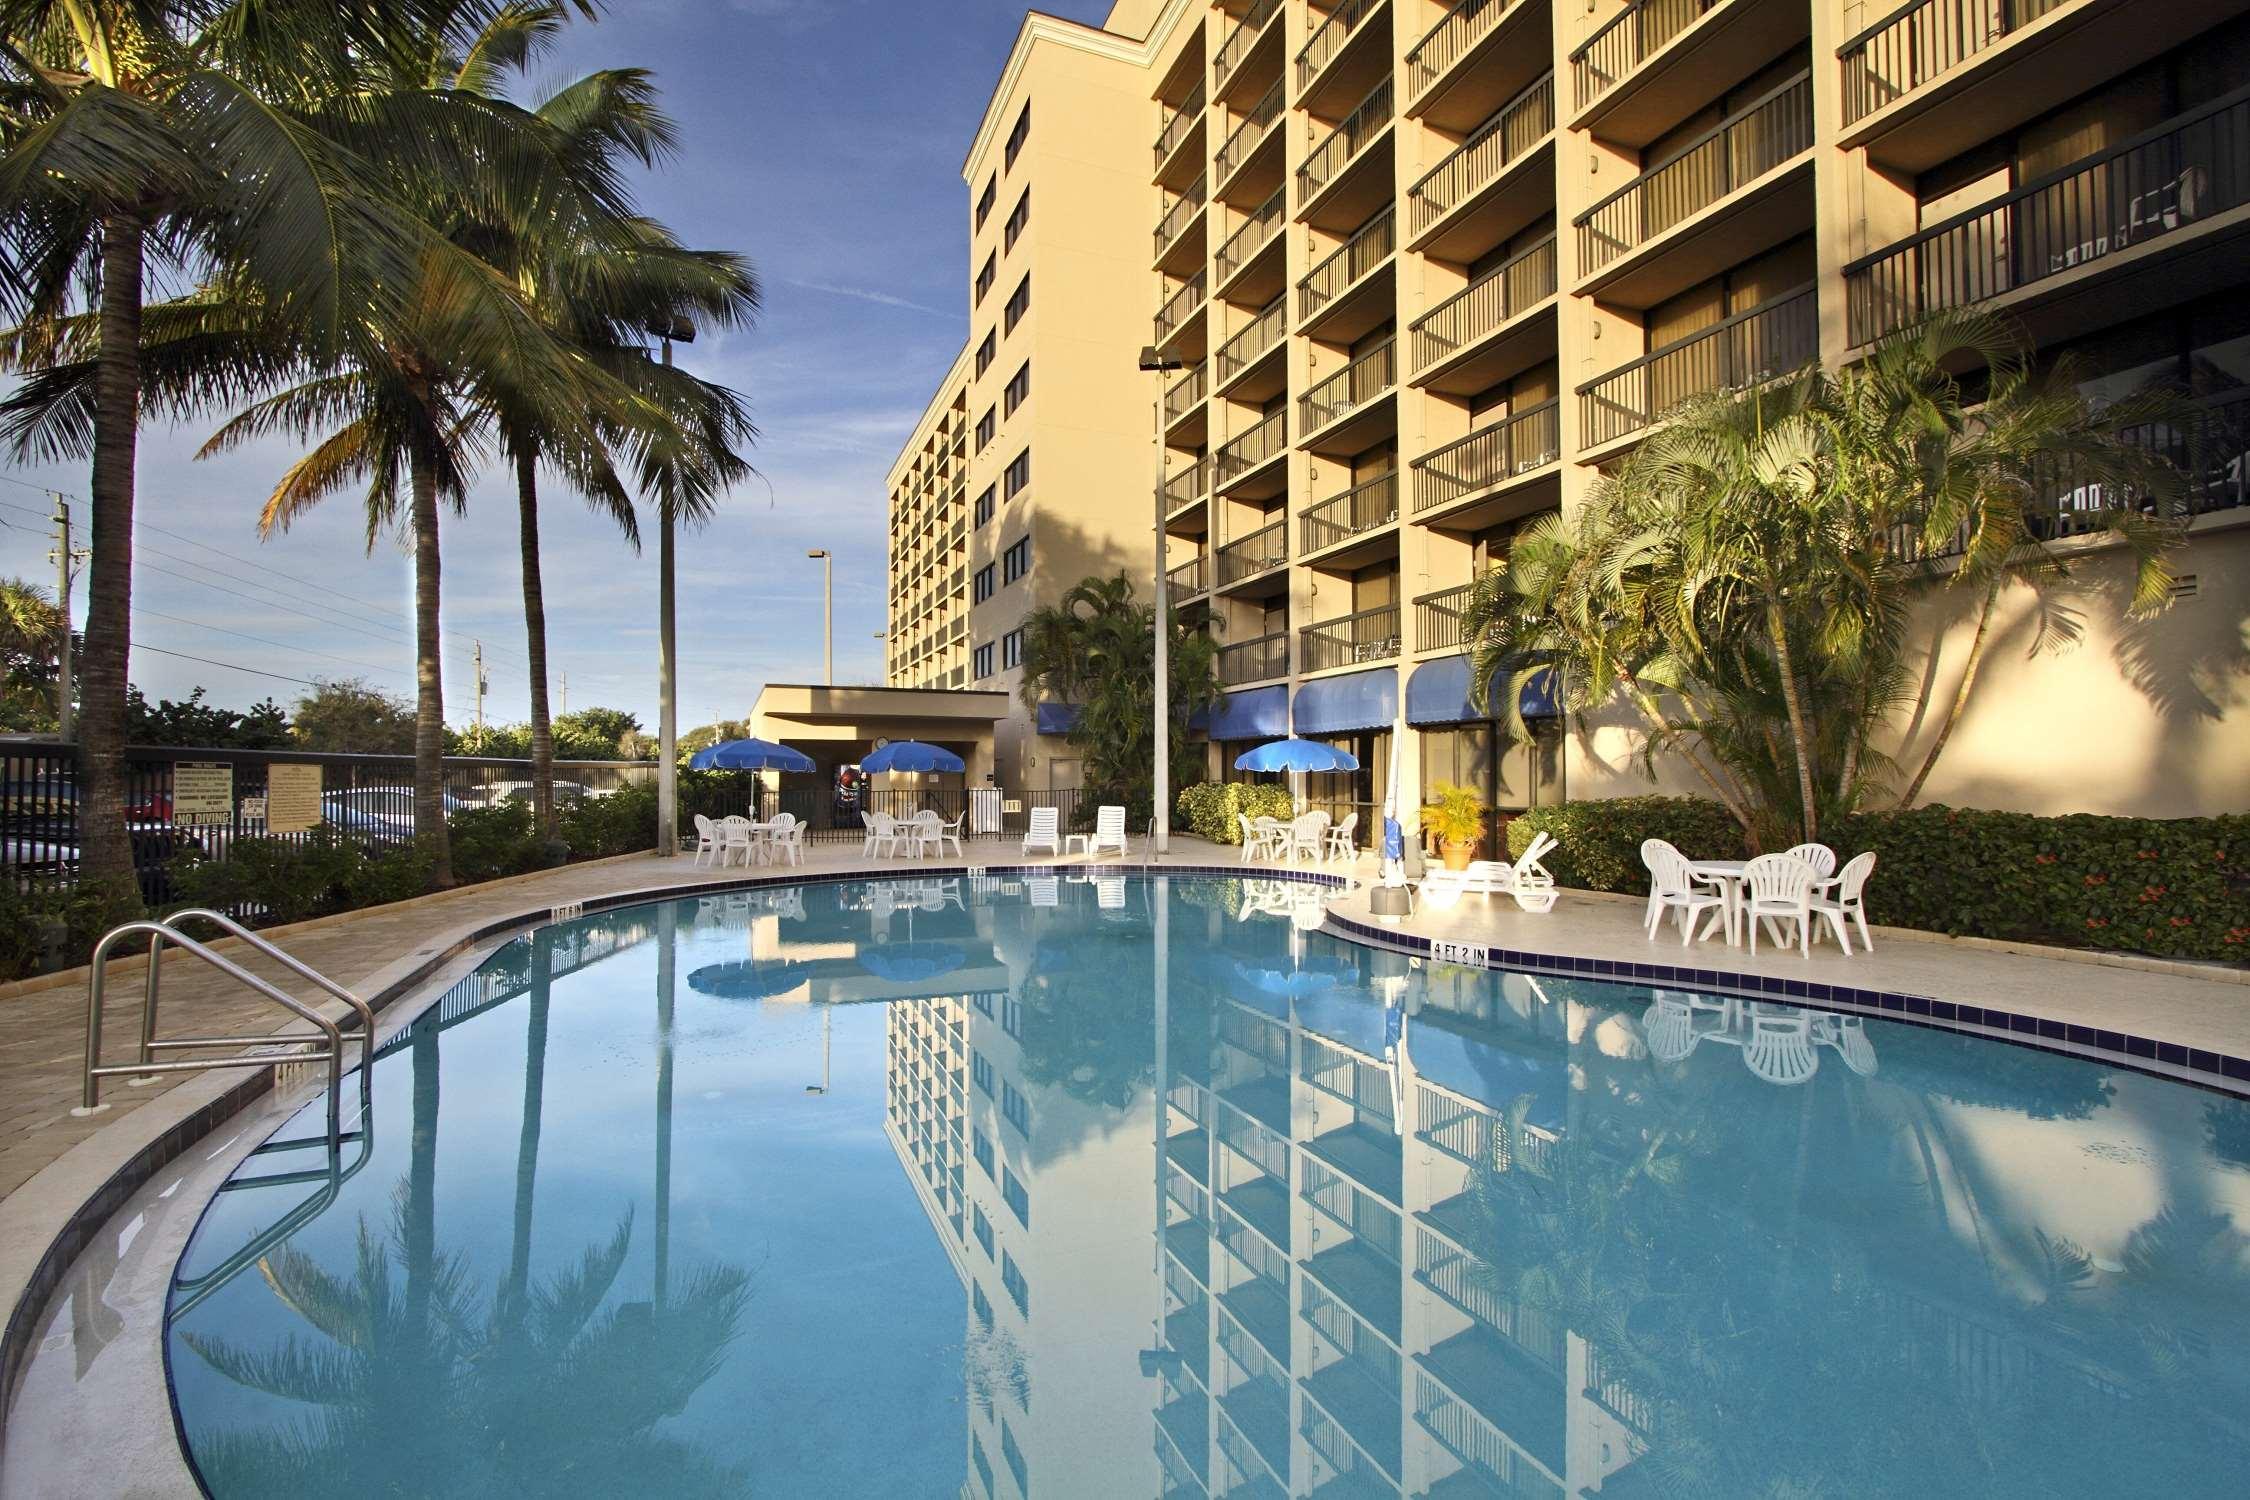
<point x="1135" y="1188"/>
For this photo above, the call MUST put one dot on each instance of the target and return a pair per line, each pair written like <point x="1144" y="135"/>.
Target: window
<point x="985" y="353"/>
<point x="1016" y="561"/>
<point x="984" y="199"/>
<point x="980" y="1067"/>
<point x="986" y="505"/>
<point x="980" y="667"/>
<point x="1011" y="655"/>
<point x="980" y="589"/>
<point x="984" y="1465"/>
<point x="1019" y="303"/>
<point x="1016" y="1107"/>
<point x="1019" y="219"/>
<point x="1017" y="479"/>
<point x="984" y="278"/>
<point x="1015" y="1196"/>
<point x="987" y="425"/>
<point x="1011" y="1010"/>
<point x="1018" y="135"/>
<point x="1018" y="1289"/>
<point x="980" y="1145"/>
<point x="1018" y="390"/>
<point x="982" y="1000"/>
<point x="983" y="1227"/>
<point x="982" y="1303"/>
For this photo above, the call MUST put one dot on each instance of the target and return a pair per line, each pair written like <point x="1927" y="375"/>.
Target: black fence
<point x="833" y="817"/>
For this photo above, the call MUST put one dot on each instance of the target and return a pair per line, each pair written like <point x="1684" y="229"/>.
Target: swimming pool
<point x="1135" y="1187"/>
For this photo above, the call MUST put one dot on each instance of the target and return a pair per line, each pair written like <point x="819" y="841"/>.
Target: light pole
<point x="1158" y="364"/>
<point x="827" y="611"/>
<point x="667" y="640"/>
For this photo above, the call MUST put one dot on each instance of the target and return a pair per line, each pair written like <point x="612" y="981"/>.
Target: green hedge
<point x="2172" y="887"/>
<point x="289" y="880"/>
<point x="1209" y="809"/>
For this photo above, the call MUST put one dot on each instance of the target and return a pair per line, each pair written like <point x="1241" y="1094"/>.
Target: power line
<point x="263" y="641"/>
<point x="230" y="666"/>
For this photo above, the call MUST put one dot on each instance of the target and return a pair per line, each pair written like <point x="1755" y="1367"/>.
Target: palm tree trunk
<point x="1960" y="697"/>
<point x="429" y="675"/>
<point x="535" y="644"/>
<point x="418" y="1221"/>
<point x="106" y="848"/>
<point x="1648" y="711"/>
<point x="527" y="1139"/>
<point x="1777" y="627"/>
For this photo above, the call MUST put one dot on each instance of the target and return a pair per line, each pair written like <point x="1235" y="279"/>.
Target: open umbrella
<point x="911" y="963"/>
<point x="1296" y="757"/>
<point x="911" y="755"/>
<point x="749" y="755"/>
<point x="755" y="979"/>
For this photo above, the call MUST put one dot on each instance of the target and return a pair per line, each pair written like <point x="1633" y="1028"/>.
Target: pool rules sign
<point x="202" y="794"/>
<point x="292" y="797"/>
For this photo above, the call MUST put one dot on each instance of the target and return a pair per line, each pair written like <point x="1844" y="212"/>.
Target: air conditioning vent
<point x="2186" y="586"/>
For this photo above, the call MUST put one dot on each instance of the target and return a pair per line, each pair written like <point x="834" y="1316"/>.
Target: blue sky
<point x="822" y="137"/>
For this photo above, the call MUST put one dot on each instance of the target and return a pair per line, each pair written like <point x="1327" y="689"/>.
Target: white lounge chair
<point x="1109" y="831"/>
<point x="1850" y="900"/>
<point x="706" y="839"/>
<point x="1526" y="879"/>
<point x="1046" y="890"/>
<point x="1672" y="888"/>
<point x="1045" y="831"/>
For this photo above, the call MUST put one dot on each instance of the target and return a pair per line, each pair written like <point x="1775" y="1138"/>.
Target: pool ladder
<point x="276" y="1049"/>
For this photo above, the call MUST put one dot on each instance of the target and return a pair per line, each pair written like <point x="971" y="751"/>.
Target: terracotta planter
<point x="1457" y="852"/>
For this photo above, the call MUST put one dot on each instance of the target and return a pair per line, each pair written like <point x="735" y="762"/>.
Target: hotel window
<point x="1019" y="303"/>
<point x="980" y="1145"/>
<point x="1017" y="136"/>
<point x="1019" y="218"/>
<point x="980" y="589"/>
<point x="980" y="1067"/>
<point x="981" y="668"/>
<point x="983" y="1229"/>
<point x="1016" y="1107"/>
<point x="987" y="425"/>
<point x="985" y="276"/>
<point x="1011" y="1009"/>
<point x="1019" y="1290"/>
<point x="1011" y="655"/>
<point x="1016" y="1197"/>
<point x="1016" y="561"/>
<point x="985" y="353"/>
<point x="986" y="505"/>
<point x="981" y="1303"/>
<point x="984" y="199"/>
<point x="1017" y="478"/>
<point x="1018" y="390"/>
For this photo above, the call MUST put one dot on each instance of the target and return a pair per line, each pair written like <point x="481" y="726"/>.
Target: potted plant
<point x="1456" y="819"/>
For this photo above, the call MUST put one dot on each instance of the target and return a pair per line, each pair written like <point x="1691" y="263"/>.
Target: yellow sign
<point x="292" y="797"/>
<point x="202" y="793"/>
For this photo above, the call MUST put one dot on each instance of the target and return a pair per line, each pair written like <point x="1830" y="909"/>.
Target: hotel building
<point x="1425" y="268"/>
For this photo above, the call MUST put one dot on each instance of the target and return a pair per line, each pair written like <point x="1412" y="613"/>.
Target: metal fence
<point x="833" y="818"/>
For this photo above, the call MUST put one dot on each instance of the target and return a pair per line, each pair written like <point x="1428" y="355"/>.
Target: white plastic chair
<point x="1305" y="836"/>
<point x="882" y="834"/>
<point x="946" y="833"/>
<point x="1253" y="838"/>
<point x="921" y="832"/>
<point x="1273" y="839"/>
<point x="1780" y="1048"/>
<point x="1672" y="888"/>
<point x="1819" y="856"/>
<point x="706" y="839"/>
<point x="1777" y="889"/>
<point x="1850" y="900"/>
<point x="1669" y="1026"/>
<point x="1045" y="831"/>
<point x="1341" y="844"/>
<point x="1109" y="831"/>
<point x="787" y="839"/>
<point x="736" y="834"/>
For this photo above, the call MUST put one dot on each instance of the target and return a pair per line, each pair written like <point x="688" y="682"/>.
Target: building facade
<point x="1425" y="268"/>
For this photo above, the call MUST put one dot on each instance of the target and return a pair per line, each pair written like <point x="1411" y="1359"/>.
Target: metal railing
<point x="1370" y="245"/>
<point x="1626" y="42"/>
<point x="1187" y="486"/>
<point x="1485" y="304"/>
<point x="1371" y="635"/>
<point x="1738" y="150"/>
<point x="1179" y="215"/>
<point x="1343" y="143"/>
<point x="1246" y="452"/>
<point x="2186" y="169"/>
<point x="1177" y="126"/>
<point x="1437" y="618"/>
<point x="1493" y="454"/>
<point x="1363" y="507"/>
<point x="1329" y="37"/>
<point x="1515" y="127"/>
<point x="1757" y="344"/>
<point x="1255" y="660"/>
<point x="1349" y="389"/>
<point x="1249" y="135"/>
<point x="1239" y="41"/>
<point x="1921" y="39"/>
<point x="1253" y="235"/>
<point x="1449" y="40"/>
<point x="1248" y="556"/>
<point x="1186" y="392"/>
<point x="1188" y="578"/>
<point x="1179" y="306"/>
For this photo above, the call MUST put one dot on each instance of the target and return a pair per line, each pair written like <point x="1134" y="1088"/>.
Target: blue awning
<point x="1248" y="714"/>
<point x="1360" y="700"/>
<point x="1058" y="718"/>
<point x="1438" y="693"/>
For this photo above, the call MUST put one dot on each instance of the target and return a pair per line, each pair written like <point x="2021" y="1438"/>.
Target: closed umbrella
<point x="1297" y="757"/>
<point x="1394" y="832"/>
<point x="749" y="755"/>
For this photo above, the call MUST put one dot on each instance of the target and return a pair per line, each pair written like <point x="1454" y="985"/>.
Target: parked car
<point x="496" y="792"/>
<point x="43" y="847"/>
<point x="384" y="814"/>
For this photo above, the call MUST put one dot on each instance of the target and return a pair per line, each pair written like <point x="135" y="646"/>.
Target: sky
<point x="824" y="139"/>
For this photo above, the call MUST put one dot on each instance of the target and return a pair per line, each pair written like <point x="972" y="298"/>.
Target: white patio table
<point x="1727" y="875"/>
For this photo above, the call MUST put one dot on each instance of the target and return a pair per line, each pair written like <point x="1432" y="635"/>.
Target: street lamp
<point x="827" y="611"/>
<point x="1159" y="364"/>
<point x="670" y="330"/>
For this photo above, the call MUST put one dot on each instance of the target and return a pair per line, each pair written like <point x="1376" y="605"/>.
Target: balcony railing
<point x="1188" y="578"/>
<point x="1368" y="248"/>
<point x="1255" y="234"/>
<point x="1179" y="215"/>
<point x="2154" y="184"/>
<point x="1261" y="443"/>
<point x="1329" y="37"/>
<point x="1187" y="486"/>
<point x="1250" y="134"/>
<point x="1250" y="345"/>
<point x="1363" y="507"/>
<point x="1455" y="33"/>
<point x="1186" y="393"/>
<point x="1493" y="454"/>
<point x="1179" y="306"/>
<point x="1176" y="128"/>
<point x="1754" y="345"/>
<point x="1349" y="640"/>
<point x="1240" y="40"/>
<point x="1922" y="39"/>
<point x="1349" y="389"/>
<point x="1345" y="141"/>
<point x="1484" y="304"/>
<point x="1741" y="148"/>
<point x="1517" y="126"/>
<point x="1245" y="557"/>
<point x="1437" y="618"/>
<point x="1626" y="42"/>
<point x="1255" y="661"/>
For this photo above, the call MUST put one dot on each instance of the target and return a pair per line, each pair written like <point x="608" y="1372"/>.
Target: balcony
<point x="1714" y="203"/>
<point x="1259" y="660"/>
<point x="1494" y="457"/>
<point x="1437" y="619"/>
<point x="1478" y="54"/>
<point x="1187" y="487"/>
<point x="1355" y="512"/>
<point x="2144" y="200"/>
<point x="1492" y="184"/>
<point x="1254" y="140"/>
<point x="1245" y="248"/>
<point x="1247" y="351"/>
<point x="1250" y="57"/>
<point x="1351" y="640"/>
<point x="1342" y="414"/>
<point x="1658" y="61"/>
<point x="1179" y="309"/>
<point x="1472" y="338"/>
<point x="1757" y="344"/>
<point x="1261" y="551"/>
<point x="1188" y="579"/>
<point x="1335" y="186"/>
<point x="1185" y="394"/>
<point x="1347" y="51"/>
<point x="1249" y="465"/>
<point x="1179" y="234"/>
<point x="1342" y="298"/>
<point x="1178" y="128"/>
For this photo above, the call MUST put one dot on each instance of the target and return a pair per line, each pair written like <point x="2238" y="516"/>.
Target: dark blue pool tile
<point x="1917" y="1005"/>
<point x="2079" y="1036"/>
<point x="2028" y="1025"/>
<point x="2202" y="1061"/>
<point x="2236" y="1067"/>
<point x="1941" y="1010"/>
<point x="2113" y="1041"/>
<point x="2140" y="1046"/>
<point x="2052" y="1030"/>
<point x="2173" y="1053"/>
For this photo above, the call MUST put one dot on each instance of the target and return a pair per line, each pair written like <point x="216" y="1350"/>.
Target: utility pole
<point x="1160" y="827"/>
<point x="565" y="693"/>
<point x="827" y="561"/>
<point x="65" y="562"/>
<point x="482" y="682"/>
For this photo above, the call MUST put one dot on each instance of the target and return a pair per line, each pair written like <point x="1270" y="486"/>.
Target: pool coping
<point x="123" y="1158"/>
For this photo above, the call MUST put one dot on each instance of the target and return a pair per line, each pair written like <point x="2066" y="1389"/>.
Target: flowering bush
<point x="1209" y="808"/>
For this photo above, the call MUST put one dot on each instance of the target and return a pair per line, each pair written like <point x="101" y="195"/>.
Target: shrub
<point x="37" y="926"/>
<point x="1210" y="809"/>
<point x="275" y="880"/>
<point x="624" y="822"/>
<point x="492" y="842"/>
<point x="2172" y="887"/>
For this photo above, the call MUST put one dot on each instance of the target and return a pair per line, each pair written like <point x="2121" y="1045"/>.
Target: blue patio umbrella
<point x="1297" y="757"/>
<point x="752" y="980"/>
<point x="911" y="755"/>
<point x="749" y="755"/>
<point x="1285" y="984"/>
